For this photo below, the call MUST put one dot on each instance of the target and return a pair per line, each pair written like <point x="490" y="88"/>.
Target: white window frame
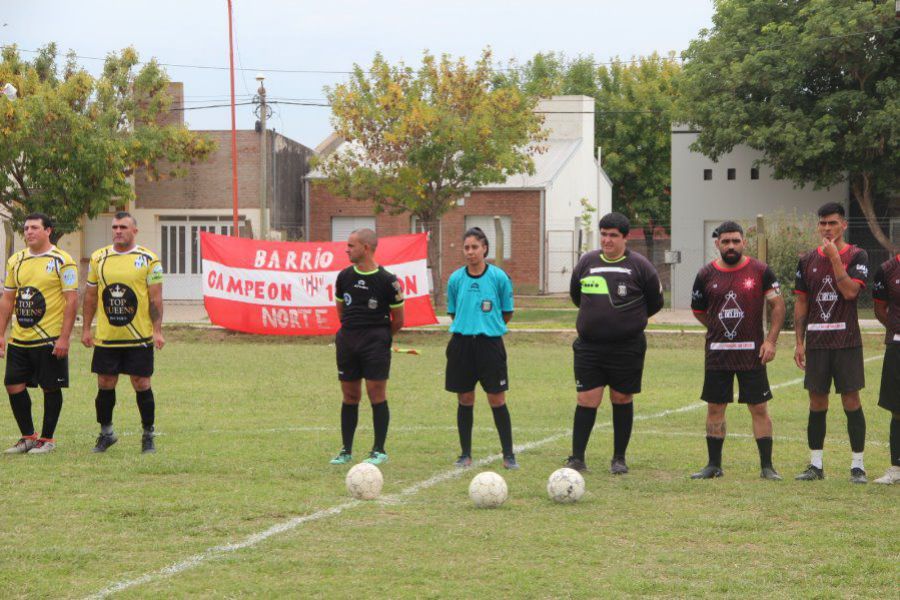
<point x="486" y="222"/>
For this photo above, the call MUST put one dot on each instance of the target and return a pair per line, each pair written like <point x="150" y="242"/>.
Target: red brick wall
<point x="208" y="183"/>
<point x="524" y="208"/>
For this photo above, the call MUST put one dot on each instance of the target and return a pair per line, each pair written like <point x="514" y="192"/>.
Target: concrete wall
<point x="698" y="205"/>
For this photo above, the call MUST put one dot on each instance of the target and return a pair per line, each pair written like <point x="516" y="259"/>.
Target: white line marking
<point x="778" y="438"/>
<point x="291" y="524"/>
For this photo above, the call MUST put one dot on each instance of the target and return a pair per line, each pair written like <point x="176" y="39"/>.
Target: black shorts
<point x="363" y="353"/>
<point x="843" y="365"/>
<point x="36" y="366"/>
<point x="132" y="360"/>
<point x="753" y="386"/>
<point x="889" y="397"/>
<point x="476" y="358"/>
<point x="620" y="365"/>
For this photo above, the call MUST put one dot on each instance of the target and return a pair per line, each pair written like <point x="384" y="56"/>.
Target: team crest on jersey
<point x="486" y="306"/>
<point x="622" y="289"/>
<point x="826" y="298"/>
<point x="140" y="262"/>
<point x="348" y="299"/>
<point x="51" y="266"/>
<point x="69" y="277"/>
<point x="373" y="303"/>
<point x="730" y="315"/>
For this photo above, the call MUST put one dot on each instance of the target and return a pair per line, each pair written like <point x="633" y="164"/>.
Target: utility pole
<point x="263" y="152"/>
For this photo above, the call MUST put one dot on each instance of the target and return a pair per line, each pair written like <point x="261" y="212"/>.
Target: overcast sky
<point x="332" y="36"/>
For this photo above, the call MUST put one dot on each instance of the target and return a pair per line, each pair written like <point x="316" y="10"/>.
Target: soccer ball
<point x="488" y="490"/>
<point x="364" y="481"/>
<point x="565" y="485"/>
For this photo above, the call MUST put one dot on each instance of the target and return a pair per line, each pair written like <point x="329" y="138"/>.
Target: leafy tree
<point x="812" y="84"/>
<point x="70" y="142"/>
<point x="417" y="141"/>
<point x="635" y="104"/>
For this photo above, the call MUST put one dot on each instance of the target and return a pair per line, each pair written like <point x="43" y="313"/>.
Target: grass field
<point x="247" y="427"/>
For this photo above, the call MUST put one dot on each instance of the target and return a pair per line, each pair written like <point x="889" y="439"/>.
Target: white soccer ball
<point x="565" y="485"/>
<point x="364" y="481"/>
<point x="488" y="490"/>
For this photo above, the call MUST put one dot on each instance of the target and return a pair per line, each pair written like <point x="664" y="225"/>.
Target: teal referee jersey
<point x="478" y="303"/>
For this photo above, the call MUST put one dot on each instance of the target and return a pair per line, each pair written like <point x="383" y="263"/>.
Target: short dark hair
<point x="728" y="227"/>
<point x="616" y="220"/>
<point x="478" y="234"/>
<point x="831" y="208"/>
<point x="124" y="214"/>
<point x="45" y="220"/>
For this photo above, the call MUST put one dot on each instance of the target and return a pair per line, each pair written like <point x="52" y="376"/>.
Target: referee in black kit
<point x="616" y="291"/>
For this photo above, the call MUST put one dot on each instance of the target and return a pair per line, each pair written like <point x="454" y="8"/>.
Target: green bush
<point x="789" y="236"/>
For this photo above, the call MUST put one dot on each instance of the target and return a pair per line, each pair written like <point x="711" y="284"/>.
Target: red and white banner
<point x="287" y="288"/>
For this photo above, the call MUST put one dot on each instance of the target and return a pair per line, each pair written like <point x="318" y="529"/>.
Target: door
<point x="180" y="254"/>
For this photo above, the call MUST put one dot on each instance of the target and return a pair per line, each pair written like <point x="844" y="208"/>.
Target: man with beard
<point x="829" y="344"/>
<point x="728" y="298"/>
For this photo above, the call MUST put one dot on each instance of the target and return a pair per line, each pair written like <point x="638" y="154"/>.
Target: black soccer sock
<point x="104" y="404"/>
<point x="381" y="417"/>
<point x="52" y="407"/>
<point x="581" y="429"/>
<point x="856" y="429"/>
<point x="504" y="428"/>
<point x="714" y="449"/>
<point x="623" y="419"/>
<point x="895" y="441"/>
<point x="21" y="408"/>
<point x="147" y="407"/>
<point x="464" y="419"/>
<point x="764" y="445"/>
<point x="815" y="429"/>
<point x="349" y="418"/>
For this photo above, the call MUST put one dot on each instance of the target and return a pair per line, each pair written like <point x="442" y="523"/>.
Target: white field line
<point x="291" y="524"/>
<point x="778" y="438"/>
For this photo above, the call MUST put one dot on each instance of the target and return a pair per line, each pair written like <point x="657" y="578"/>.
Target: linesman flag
<point x="287" y="288"/>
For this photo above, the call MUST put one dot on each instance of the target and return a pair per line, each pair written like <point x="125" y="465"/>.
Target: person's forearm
<point x="69" y="314"/>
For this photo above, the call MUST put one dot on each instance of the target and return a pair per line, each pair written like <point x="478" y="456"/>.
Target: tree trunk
<point x="10" y="240"/>
<point x="861" y="189"/>
<point x="432" y="226"/>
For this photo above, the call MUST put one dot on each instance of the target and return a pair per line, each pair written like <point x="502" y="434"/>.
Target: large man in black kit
<point x="616" y="291"/>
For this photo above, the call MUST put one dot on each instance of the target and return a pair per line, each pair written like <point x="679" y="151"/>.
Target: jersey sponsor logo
<point x="474" y="287"/>
<point x="776" y="287"/>
<point x="696" y="295"/>
<point x="897" y="337"/>
<point x="486" y="306"/>
<point x="373" y="303"/>
<point x="69" y="277"/>
<point x="622" y="289"/>
<point x="361" y="285"/>
<point x="826" y="326"/>
<point x="30" y="306"/>
<point x="863" y="270"/>
<point x="732" y="346"/>
<point x="826" y="298"/>
<point x="348" y="299"/>
<point x="730" y="315"/>
<point x="120" y="304"/>
<point x="610" y="270"/>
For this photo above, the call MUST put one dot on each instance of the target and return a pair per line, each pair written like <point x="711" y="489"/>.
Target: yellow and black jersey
<point x="123" y="280"/>
<point x="39" y="282"/>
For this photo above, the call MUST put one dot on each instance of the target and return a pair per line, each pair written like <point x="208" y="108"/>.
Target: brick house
<point x="540" y="214"/>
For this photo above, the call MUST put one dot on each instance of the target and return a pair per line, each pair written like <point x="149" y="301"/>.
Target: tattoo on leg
<point x="716" y="430"/>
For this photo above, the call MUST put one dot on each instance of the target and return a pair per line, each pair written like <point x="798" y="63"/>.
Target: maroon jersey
<point x="886" y="289"/>
<point x="733" y="299"/>
<point x="831" y="321"/>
